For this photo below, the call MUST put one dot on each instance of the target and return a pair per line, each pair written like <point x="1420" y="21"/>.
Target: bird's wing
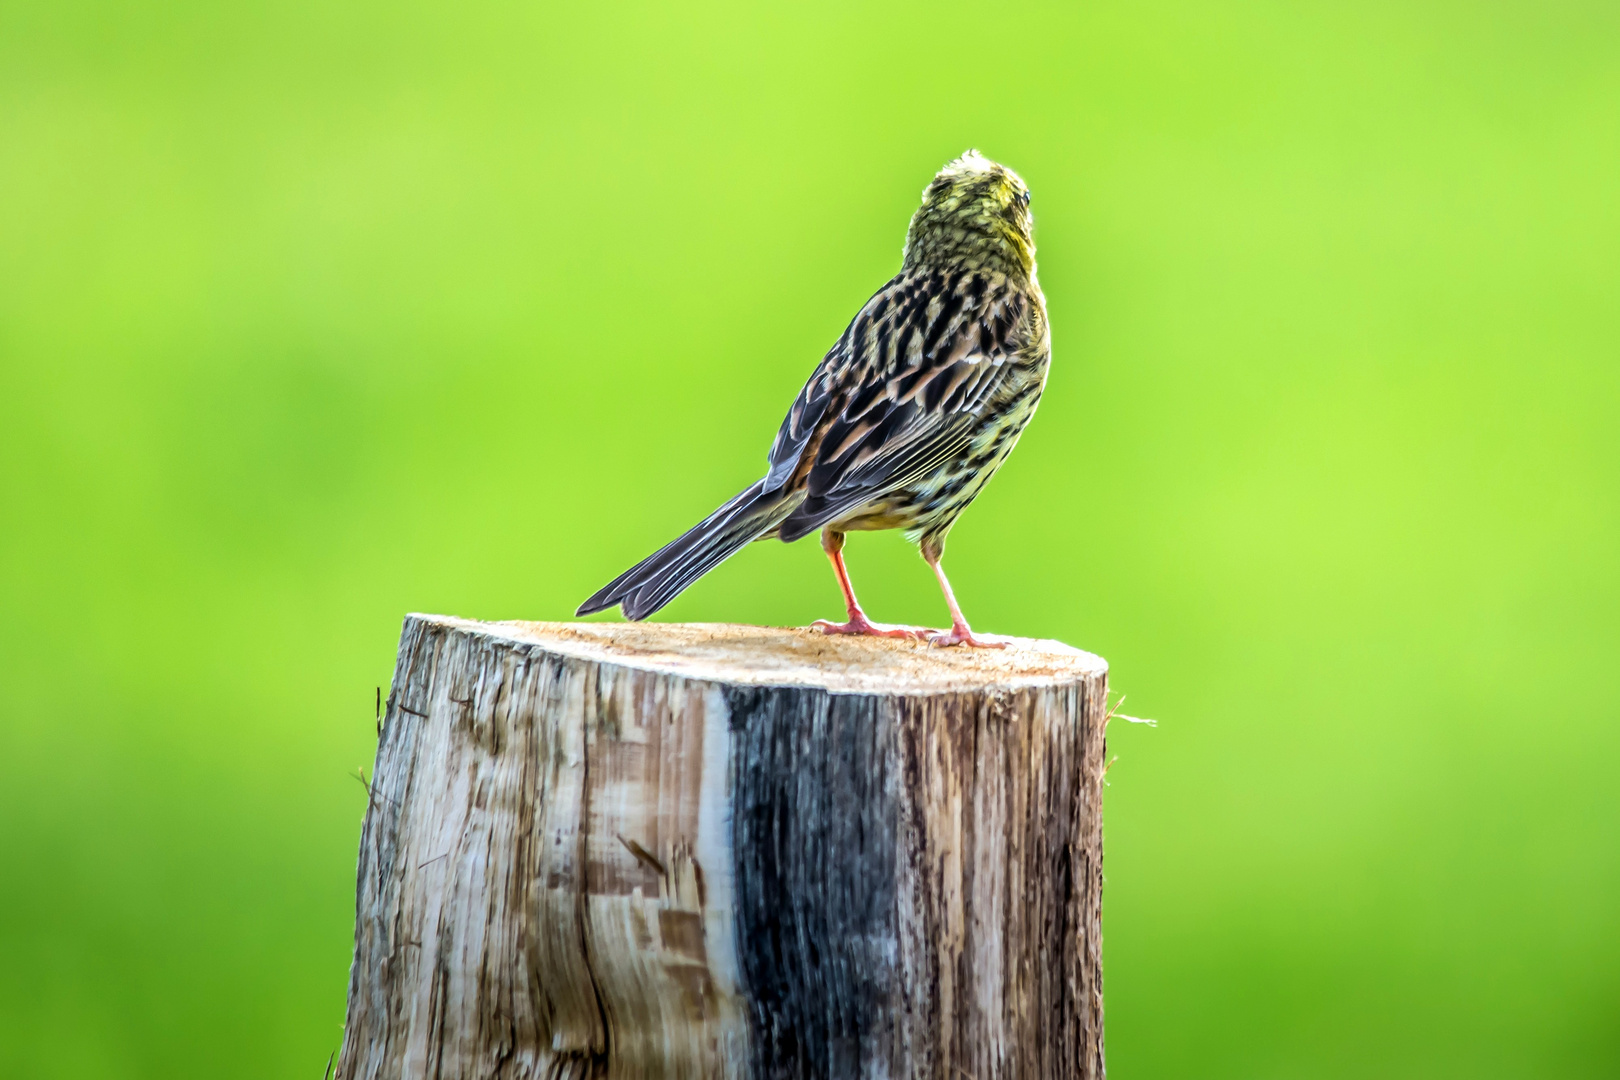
<point x="900" y="393"/>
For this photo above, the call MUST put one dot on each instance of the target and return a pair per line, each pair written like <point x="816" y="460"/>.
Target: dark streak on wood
<point x="813" y="835"/>
<point x="643" y="856"/>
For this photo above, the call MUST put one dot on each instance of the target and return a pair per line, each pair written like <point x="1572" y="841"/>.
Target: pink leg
<point x="960" y="632"/>
<point x="833" y="544"/>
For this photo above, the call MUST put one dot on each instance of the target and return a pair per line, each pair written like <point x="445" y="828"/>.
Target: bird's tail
<point x="661" y="576"/>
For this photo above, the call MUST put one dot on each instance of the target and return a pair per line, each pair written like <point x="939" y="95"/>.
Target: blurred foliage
<point x="313" y="314"/>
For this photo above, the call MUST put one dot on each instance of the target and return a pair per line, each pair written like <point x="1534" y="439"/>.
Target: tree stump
<point x="712" y="851"/>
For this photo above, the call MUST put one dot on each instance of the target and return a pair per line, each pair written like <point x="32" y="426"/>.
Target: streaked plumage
<point x="908" y="415"/>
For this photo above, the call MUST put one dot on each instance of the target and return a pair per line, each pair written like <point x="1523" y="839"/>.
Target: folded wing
<point x="901" y="394"/>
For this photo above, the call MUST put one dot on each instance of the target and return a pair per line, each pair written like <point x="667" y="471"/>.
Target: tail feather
<point x="661" y="576"/>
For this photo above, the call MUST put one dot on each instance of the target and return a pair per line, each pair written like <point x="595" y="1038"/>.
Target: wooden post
<point x="710" y="851"/>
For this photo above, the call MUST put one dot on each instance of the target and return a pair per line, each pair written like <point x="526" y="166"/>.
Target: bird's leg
<point x="833" y="544"/>
<point x="960" y="632"/>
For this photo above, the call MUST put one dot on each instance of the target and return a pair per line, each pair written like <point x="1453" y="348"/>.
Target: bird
<point x="907" y="416"/>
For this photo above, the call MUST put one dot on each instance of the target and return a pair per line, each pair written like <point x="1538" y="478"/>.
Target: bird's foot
<point x="962" y="634"/>
<point x="860" y="624"/>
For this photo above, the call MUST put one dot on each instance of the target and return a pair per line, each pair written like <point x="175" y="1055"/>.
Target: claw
<point x="860" y="624"/>
<point x="962" y="634"/>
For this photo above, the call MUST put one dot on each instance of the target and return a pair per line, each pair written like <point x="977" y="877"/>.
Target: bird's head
<point x="975" y="214"/>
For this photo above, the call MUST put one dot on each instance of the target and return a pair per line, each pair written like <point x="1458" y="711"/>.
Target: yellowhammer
<point x="908" y="415"/>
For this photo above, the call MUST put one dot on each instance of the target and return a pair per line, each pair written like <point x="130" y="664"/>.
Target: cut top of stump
<point x="794" y="656"/>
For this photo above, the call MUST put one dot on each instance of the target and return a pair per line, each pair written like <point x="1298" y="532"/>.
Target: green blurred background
<point x="313" y="314"/>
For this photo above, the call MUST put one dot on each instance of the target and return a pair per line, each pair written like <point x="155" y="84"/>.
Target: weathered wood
<point x="695" y="851"/>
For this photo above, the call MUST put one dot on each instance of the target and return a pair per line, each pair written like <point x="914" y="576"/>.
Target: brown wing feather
<point x="900" y="392"/>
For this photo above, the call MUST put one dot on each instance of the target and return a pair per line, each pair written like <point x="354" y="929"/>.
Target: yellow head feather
<point x="974" y="215"/>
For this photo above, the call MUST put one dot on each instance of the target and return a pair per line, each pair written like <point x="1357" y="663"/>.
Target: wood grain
<point x="711" y="851"/>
